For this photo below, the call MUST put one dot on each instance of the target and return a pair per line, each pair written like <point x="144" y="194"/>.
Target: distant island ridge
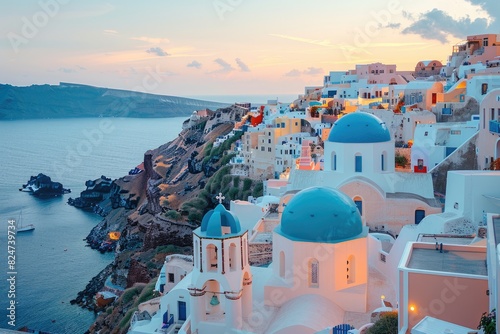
<point x="70" y="100"/>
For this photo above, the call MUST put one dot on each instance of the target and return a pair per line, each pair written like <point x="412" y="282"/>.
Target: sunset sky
<point x="224" y="47"/>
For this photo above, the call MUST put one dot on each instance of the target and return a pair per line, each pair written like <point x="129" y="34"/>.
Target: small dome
<point x="320" y="214"/>
<point x="359" y="127"/>
<point x="219" y="222"/>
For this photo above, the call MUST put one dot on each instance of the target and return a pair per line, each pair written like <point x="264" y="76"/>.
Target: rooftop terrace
<point x="451" y="261"/>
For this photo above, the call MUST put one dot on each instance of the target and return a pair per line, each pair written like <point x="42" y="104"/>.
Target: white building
<point x="319" y="277"/>
<point x="434" y="142"/>
<point x="359" y="160"/>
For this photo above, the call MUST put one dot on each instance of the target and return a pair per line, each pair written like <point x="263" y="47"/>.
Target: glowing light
<point x="114" y="235"/>
<point x="382" y="297"/>
<point x="412" y="308"/>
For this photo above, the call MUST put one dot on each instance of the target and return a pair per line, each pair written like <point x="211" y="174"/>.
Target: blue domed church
<point x="359" y="160"/>
<point x="319" y="257"/>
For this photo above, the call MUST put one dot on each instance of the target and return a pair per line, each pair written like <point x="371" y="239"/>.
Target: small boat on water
<point x="23" y="228"/>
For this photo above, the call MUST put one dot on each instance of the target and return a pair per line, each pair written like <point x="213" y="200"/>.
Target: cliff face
<point x="160" y="224"/>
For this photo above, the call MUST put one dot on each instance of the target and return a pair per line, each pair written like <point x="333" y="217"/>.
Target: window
<point x="212" y="260"/>
<point x="232" y="257"/>
<point x="484" y="89"/>
<point x="334" y="167"/>
<point x="170" y="278"/>
<point x="485" y="41"/>
<point x="262" y="148"/>
<point x="383" y="158"/>
<point x="359" y="204"/>
<point x="268" y="149"/>
<point x="195" y="253"/>
<point x="419" y="215"/>
<point x="351" y="271"/>
<point x="269" y="141"/>
<point x="282" y="264"/>
<point x="358" y="163"/>
<point x="492" y="114"/>
<point x="426" y="133"/>
<point x="382" y="257"/>
<point x="313" y="273"/>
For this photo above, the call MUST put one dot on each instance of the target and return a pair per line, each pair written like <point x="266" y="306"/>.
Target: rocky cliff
<point x="178" y="185"/>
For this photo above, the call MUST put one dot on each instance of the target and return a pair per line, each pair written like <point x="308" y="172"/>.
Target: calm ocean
<point x="52" y="262"/>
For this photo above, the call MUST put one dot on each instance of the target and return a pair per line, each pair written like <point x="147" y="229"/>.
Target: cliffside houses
<point x="346" y="234"/>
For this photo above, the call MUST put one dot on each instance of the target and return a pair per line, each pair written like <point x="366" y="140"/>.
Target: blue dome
<point x="219" y="222"/>
<point x="359" y="127"/>
<point x="320" y="214"/>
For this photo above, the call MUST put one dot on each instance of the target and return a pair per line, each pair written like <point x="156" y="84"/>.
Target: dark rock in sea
<point x="42" y="186"/>
<point x="103" y="195"/>
<point x="85" y="298"/>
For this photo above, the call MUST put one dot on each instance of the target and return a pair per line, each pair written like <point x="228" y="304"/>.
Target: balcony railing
<point x="495" y="126"/>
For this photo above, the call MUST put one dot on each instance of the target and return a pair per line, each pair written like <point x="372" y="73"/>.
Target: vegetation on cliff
<point x="180" y="182"/>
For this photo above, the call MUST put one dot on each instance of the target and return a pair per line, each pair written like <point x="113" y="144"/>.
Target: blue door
<point x="419" y="215"/>
<point x="342" y="329"/>
<point x="182" y="310"/>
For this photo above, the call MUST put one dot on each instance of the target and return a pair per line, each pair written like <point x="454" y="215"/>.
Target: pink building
<point x="489" y="130"/>
<point x="448" y="282"/>
<point x="427" y="68"/>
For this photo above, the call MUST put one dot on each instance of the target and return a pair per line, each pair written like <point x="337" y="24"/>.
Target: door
<point x="182" y="310"/>
<point x="419" y="215"/>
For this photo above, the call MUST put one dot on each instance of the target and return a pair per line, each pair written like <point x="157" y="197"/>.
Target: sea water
<point x="52" y="263"/>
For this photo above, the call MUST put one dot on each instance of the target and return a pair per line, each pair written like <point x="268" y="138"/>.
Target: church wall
<point x="374" y="255"/>
<point x="333" y="269"/>
<point x="382" y="214"/>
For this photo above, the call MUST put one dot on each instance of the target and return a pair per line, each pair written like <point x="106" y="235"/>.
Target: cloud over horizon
<point x="309" y="71"/>
<point x="437" y="25"/>
<point x="243" y="67"/>
<point x="157" y="51"/>
<point x="195" y="64"/>
<point x="225" y="67"/>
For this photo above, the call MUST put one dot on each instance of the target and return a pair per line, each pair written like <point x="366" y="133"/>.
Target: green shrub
<point x="126" y="319"/>
<point x="225" y="159"/>
<point x="258" y="190"/>
<point x="401" y="160"/>
<point x="195" y="217"/>
<point x="247" y="184"/>
<point x="236" y="181"/>
<point x="226" y="180"/>
<point x="129" y="294"/>
<point x="208" y="149"/>
<point x="147" y="293"/>
<point x="387" y="324"/>
<point x="172" y="214"/>
<point x="168" y="249"/>
<point x="232" y="194"/>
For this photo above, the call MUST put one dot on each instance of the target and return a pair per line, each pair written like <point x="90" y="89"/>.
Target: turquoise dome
<point x="320" y="214"/>
<point x="359" y="127"/>
<point x="219" y="222"/>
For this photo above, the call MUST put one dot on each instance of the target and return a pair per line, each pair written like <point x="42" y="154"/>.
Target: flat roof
<point x="450" y="261"/>
<point x="429" y="325"/>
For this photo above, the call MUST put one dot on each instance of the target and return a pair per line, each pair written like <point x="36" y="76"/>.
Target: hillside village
<point x="380" y="199"/>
